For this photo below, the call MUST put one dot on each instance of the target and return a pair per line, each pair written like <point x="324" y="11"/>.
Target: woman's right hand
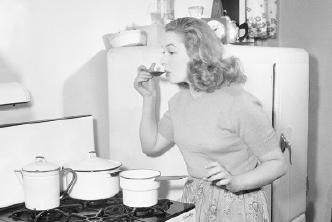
<point x="144" y="82"/>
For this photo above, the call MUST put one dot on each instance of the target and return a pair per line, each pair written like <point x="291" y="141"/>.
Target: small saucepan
<point x="140" y="186"/>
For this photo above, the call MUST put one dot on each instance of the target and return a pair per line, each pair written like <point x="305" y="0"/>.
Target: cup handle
<point x="246" y="31"/>
<point x="72" y="182"/>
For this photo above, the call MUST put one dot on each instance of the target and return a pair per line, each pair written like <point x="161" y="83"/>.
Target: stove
<point x="107" y="210"/>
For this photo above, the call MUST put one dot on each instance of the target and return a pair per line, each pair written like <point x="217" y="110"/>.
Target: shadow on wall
<point x="312" y="142"/>
<point x="7" y="73"/>
<point x="85" y="92"/>
<point x="10" y="113"/>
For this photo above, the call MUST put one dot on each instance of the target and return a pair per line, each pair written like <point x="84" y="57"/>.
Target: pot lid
<point x="41" y="165"/>
<point x="140" y="174"/>
<point x="93" y="164"/>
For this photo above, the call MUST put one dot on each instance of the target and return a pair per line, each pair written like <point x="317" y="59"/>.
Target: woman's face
<point x="175" y="58"/>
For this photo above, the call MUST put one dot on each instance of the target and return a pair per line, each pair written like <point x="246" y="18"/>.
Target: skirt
<point x="213" y="203"/>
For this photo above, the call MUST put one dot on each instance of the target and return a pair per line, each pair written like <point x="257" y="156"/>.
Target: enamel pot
<point x="41" y="184"/>
<point x="97" y="178"/>
<point x="139" y="187"/>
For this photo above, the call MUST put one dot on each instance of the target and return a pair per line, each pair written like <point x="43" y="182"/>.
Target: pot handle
<point x="19" y="175"/>
<point x="72" y="182"/>
<point x="162" y="178"/>
<point x="115" y="173"/>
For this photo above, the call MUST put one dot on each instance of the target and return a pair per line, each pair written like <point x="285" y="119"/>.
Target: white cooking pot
<point x="41" y="184"/>
<point x="97" y="178"/>
<point x="139" y="187"/>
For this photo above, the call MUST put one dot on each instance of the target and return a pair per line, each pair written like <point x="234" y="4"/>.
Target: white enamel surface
<point x="139" y="187"/>
<point x="140" y="198"/>
<point x="292" y="120"/>
<point x="94" y="185"/>
<point x="41" y="192"/>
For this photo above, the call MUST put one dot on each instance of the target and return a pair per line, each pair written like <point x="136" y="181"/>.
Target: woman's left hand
<point x="218" y="174"/>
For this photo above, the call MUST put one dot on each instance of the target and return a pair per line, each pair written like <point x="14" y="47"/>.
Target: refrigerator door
<point x="260" y="84"/>
<point x="289" y="192"/>
<point x="290" y="119"/>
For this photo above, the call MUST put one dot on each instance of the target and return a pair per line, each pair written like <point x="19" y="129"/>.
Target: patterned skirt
<point x="215" y="204"/>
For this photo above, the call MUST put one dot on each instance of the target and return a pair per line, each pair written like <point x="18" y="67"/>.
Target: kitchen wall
<point x="307" y="24"/>
<point x="55" y="49"/>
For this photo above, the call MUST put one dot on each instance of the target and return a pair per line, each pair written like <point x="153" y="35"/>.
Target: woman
<point x="226" y="139"/>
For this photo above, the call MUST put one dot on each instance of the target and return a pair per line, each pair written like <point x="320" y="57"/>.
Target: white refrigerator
<point x="279" y="77"/>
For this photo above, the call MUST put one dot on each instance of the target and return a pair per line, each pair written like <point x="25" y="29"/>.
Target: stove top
<point x="107" y="210"/>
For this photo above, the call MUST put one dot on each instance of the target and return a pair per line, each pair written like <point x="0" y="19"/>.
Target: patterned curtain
<point x="262" y="18"/>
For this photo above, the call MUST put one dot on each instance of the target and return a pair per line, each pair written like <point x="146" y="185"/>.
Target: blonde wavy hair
<point x="207" y="69"/>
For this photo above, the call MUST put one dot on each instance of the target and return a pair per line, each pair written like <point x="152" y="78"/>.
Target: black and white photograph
<point x="165" y="110"/>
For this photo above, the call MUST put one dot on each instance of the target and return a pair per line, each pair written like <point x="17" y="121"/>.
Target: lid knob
<point x="41" y="165"/>
<point x="40" y="159"/>
<point x="92" y="154"/>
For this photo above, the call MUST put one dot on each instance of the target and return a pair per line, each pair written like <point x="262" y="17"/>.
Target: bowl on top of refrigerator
<point x="127" y="38"/>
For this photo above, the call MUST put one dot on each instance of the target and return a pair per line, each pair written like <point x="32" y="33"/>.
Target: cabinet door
<point x="291" y="121"/>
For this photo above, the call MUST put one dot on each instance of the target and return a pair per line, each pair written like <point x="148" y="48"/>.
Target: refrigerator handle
<point x="284" y="144"/>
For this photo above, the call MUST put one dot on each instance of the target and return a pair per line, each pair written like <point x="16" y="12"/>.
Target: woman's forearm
<point x="262" y="175"/>
<point x="149" y="124"/>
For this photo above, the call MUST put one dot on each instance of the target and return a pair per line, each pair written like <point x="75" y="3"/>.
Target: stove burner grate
<point x="39" y="216"/>
<point x="107" y="210"/>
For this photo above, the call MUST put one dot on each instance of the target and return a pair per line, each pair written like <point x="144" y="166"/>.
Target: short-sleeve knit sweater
<point x="228" y="126"/>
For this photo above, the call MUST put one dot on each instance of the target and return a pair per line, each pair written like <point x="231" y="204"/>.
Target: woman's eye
<point x="171" y="52"/>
